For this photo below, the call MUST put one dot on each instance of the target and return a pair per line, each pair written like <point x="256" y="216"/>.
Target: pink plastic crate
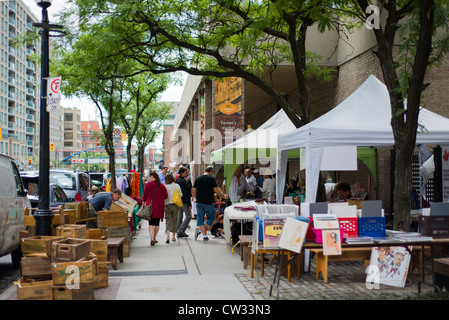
<point x="318" y="235"/>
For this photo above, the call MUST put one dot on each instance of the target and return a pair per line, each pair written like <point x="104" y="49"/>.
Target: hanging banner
<point x="53" y="94"/>
<point x="445" y="172"/>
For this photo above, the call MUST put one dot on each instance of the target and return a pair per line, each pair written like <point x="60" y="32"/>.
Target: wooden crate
<point x="93" y="234"/>
<point x="72" y="231"/>
<point x="39" y="244"/>
<point x="112" y="219"/>
<point x="69" y="216"/>
<point x="86" y="291"/>
<point x="99" y="248"/>
<point x="119" y="232"/>
<point x="102" y="280"/>
<point x="36" y="290"/>
<point x="36" y="266"/>
<point x="81" y="209"/>
<point x="70" y="249"/>
<point x="87" y="269"/>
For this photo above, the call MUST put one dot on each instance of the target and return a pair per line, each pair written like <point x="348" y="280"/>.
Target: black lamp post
<point x="44" y="215"/>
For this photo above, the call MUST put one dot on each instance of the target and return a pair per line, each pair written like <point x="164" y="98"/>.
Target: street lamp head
<point x="43" y="3"/>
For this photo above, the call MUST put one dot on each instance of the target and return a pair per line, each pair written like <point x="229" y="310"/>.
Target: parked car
<point x="74" y="183"/>
<point x="13" y="200"/>
<point x="31" y="182"/>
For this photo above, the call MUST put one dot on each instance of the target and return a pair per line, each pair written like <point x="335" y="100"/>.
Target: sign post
<point x="53" y="94"/>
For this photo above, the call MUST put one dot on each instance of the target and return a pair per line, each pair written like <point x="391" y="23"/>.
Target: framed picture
<point x="390" y="264"/>
<point x="272" y="229"/>
<point x="331" y="242"/>
<point x="293" y="235"/>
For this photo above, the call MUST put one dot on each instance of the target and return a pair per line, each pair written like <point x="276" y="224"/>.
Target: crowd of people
<point x="160" y="188"/>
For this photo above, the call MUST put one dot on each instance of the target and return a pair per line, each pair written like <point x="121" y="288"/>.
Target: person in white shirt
<point x="250" y="180"/>
<point x="238" y="185"/>
<point x="268" y="185"/>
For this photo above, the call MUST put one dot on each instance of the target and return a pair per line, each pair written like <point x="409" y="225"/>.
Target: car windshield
<point x="59" y="195"/>
<point x="64" y="179"/>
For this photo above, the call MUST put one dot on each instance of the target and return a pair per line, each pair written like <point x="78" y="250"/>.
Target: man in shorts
<point x="203" y="191"/>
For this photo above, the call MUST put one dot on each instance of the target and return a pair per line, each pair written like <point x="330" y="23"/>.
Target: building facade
<point x="90" y="131"/>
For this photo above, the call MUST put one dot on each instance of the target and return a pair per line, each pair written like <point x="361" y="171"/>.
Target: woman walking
<point x="154" y="189"/>
<point x="171" y="209"/>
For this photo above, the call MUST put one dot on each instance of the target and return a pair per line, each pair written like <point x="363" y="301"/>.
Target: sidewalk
<point x="181" y="270"/>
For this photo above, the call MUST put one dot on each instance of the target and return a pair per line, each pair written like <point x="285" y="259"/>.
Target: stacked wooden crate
<point x="51" y="265"/>
<point x="115" y="224"/>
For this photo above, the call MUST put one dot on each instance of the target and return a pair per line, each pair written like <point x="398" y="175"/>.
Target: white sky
<point x="88" y="109"/>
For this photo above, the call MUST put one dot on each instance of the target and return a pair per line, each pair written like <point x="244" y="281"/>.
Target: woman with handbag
<point x="155" y="193"/>
<point x="171" y="206"/>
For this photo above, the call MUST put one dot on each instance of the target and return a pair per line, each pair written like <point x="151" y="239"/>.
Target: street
<point x="8" y="274"/>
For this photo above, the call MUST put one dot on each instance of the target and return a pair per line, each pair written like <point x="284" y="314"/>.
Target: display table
<point x="355" y="254"/>
<point x="233" y="213"/>
<point x="417" y="245"/>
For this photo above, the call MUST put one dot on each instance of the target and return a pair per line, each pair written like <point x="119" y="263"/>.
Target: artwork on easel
<point x="391" y="265"/>
<point x="293" y="235"/>
<point x="331" y="242"/>
<point x="272" y="229"/>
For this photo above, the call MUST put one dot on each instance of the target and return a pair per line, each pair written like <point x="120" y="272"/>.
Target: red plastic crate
<point x="350" y="227"/>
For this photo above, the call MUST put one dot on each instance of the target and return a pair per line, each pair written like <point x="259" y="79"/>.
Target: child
<point x="217" y="227"/>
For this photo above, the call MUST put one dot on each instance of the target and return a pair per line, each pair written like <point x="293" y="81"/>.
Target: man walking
<point x="203" y="191"/>
<point x="163" y="173"/>
<point x="186" y="188"/>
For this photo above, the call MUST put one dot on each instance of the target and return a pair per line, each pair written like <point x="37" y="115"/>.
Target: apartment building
<point x="72" y="131"/>
<point x="90" y="131"/>
<point x="20" y="88"/>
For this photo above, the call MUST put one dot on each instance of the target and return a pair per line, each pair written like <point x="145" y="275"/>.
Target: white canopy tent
<point x="363" y="119"/>
<point x="259" y="144"/>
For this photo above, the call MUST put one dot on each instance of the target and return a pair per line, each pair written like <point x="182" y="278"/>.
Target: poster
<point x="390" y="265"/>
<point x="272" y="229"/>
<point x="331" y="242"/>
<point x="293" y="235"/>
<point x="228" y="109"/>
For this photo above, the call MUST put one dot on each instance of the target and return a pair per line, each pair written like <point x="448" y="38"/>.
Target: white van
<point x="13" y="200"/>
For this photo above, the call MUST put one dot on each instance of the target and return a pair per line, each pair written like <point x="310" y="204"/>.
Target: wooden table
<point x="115" y="251"/>
<point x="275" y="252"/>
<point x="418" y="260"/>
<point x="355" y="254"/>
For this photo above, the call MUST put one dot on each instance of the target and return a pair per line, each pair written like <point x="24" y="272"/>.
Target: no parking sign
<point x="53" y="93"/>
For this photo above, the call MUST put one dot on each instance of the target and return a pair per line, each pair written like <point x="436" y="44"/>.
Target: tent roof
<point x="265" y="136"/>
<point x="363" y="119"/>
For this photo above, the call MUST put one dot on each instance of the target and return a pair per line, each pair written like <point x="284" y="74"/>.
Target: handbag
<point x="147" y="210"/>
<point x="177" y="198"/>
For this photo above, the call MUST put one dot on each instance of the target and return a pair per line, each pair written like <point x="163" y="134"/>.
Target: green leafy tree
<point x="413" y="37"/>
<point x="218" y="38"/>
